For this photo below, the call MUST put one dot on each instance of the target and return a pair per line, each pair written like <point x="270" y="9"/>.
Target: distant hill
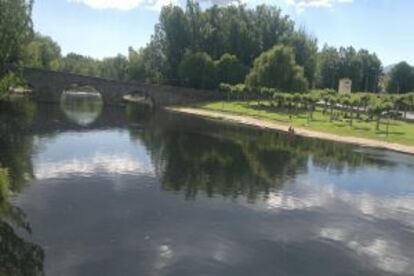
<point x="388" y="68"/>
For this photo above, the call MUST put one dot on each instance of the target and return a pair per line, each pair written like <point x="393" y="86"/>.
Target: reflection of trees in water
<point x="17" y="256"/>
<point x="17" y="145"/>
<point x="82" y="109"/>
<point x="194" y="155"/>
<point x="196" y="158"/>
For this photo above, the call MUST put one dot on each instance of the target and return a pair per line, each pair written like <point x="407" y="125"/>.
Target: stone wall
<point x="48" y="86"/>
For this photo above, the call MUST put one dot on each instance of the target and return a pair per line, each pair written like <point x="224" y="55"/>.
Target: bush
<point x="7" y="82"/>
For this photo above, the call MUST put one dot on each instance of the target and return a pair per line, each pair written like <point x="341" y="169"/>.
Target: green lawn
<point x="399" y="132"/>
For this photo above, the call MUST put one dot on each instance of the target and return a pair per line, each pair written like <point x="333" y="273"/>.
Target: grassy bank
<point x="398" y="131"/>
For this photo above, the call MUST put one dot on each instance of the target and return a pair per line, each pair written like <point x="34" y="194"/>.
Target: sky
<point x="102" y="28"/>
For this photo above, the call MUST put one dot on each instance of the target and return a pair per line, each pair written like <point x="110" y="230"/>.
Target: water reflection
<point x="80" y="160"/>
<point x="143" y="193"/>
<point x="16" y="145"/>
<point x="317" y="179"/>
<point x="17" y="255"/>
<point x="82" y="108"/>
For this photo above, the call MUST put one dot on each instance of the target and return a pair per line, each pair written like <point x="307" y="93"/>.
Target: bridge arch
<point x="48" y="86"/>
<point x="75" y="89"/>
<point x="81" y="105"/>
<point x="138" y="96"/>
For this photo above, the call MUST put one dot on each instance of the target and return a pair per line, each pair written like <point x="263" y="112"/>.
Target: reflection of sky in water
<point x="369" y="211"/>
<point x="82" y="108"/>
<point x="89" y="154"/>
<point x="82" y="118"/>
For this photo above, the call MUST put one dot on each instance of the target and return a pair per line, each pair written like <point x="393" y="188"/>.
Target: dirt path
<point x="246" y="120"/>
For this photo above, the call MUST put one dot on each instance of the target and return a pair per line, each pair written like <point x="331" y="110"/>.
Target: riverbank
<point x="268" y="124"/>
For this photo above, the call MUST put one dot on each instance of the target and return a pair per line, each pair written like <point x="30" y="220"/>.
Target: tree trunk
<point x="388" y="125"/>
<point x="378" y="121"/>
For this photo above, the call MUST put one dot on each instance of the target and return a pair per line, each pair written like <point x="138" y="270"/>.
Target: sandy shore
<point x="250" y="121"/>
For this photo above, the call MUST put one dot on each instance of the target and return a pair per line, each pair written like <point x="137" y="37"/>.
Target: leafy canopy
<point x="198" y="70"/>
<point x="277" y="68"/>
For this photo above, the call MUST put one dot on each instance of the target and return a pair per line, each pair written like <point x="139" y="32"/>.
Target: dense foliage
<point x="401" y="78"/>
<point x="15" y="30"/>
<point x="232" y="35"/>
<point x="277" y="68"/>
<point x="362" y="67"/>
<point x="198" y="70"/>
<point x="228" y="42"/>
<point x="42" y="52"/>
<point x="7" y="82"/>
<point x="230" y="70"/>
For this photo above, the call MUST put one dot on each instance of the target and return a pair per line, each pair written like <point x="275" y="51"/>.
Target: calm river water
<point x="126" y="191"/>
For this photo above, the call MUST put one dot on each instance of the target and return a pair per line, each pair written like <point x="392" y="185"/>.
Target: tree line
<point x="336" y="106"/>
<point x="202" y="48"/>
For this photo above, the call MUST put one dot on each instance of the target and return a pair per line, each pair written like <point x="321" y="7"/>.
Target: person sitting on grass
<point x="291" y="130"/>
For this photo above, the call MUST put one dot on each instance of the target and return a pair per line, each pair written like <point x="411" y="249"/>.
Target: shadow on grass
<point x="362" y="128"/>
<point x="384" y="133"/>
<point x="274" y="109"/>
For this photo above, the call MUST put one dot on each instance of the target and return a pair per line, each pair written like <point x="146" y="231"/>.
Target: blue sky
<point x="101" y="28"/>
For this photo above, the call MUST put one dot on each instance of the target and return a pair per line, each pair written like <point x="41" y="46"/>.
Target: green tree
<point x="236" y="30"/>
<point x="193" y="14"/>
<point x="42" y="52"/>
<point x="239" y="35"/>
<point x="115" y="68"/>
<point x="371" y="69"/>
<point x="362" y="67"/>
<point x="271" y="27"/>
<point x="78" y="64"/>
<point x="198" y="70"/>
<point x="230" y="70"/>
<point x="354" y="105"/>
<point x="149" y="64"/>
<point x="277" y="68"/>
<point x="213" y="35"/>
<point x="136" y="66"/>
<point x="377" y="107"/>
<point x="306" y="50"/>
<point x="311" y="99"/>
<point x="333" y="101"/>
<point x="7" y="82"/>
<point x="408" y="100"/>
<point x="174" y="30"/>
<point x="401" y="79"/>
<point x="15" y="30"/>
<point x="328" y="65"/>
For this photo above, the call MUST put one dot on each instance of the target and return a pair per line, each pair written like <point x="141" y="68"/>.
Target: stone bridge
<point x="48" y="86"/>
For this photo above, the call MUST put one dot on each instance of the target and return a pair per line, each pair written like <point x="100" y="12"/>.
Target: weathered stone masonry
<point x="47" y="86"/>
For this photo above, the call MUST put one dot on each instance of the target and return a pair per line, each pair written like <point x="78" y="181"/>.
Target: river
<point x="102" y="190"/>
